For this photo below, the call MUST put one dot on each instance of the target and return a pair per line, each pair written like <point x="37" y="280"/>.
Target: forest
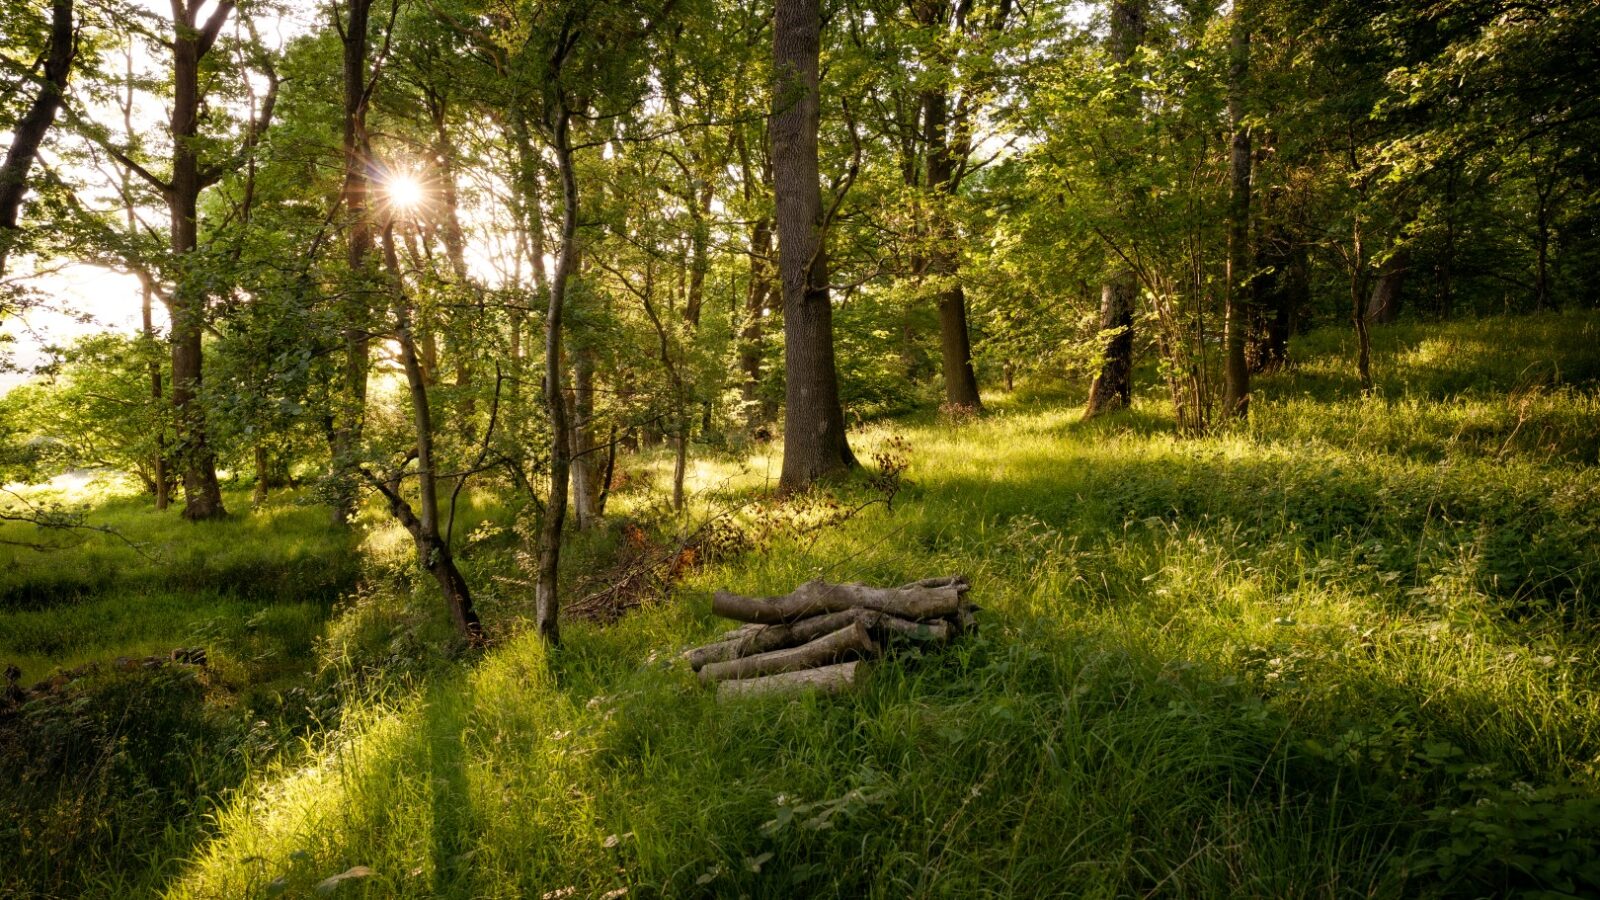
<point x="1153" y="447"/>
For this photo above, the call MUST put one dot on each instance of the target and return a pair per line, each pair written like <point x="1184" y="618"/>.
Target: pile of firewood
<point x="815" y="637"/>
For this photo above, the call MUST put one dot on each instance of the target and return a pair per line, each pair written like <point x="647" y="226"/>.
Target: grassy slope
<point x="1343" y="653"/>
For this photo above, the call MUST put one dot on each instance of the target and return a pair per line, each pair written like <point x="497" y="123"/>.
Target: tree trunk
<point x="814" y="440"/>
<point x="547" y="597"/>
<point x="1358" y="312"/>
<point x="1383" y="304"/>
<point x="943" y="261"/>
<point x="351" y="400"/>
<point x="586" y="465"/>
<point x="30" y="130"/>
<point x="1236" y="373"/>
<point x="758" y="305"/>
<point x="1112" y="387"/>
<point x="158" y="460"/>
<point x="187" y="305"/>
<point x="433" y="552"/>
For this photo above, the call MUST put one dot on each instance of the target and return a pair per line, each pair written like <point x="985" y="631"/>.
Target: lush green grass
<point x="1345" y="650"/>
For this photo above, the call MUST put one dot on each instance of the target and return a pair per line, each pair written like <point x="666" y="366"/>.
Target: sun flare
<point x="405" y="191"/>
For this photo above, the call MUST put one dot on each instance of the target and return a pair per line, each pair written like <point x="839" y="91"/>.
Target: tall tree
<point x="350" y="408"/>
<point x="814" y="440"/>
<point x="31" y="129"/>
<point x="1112" y="387"/>
<point x="1236" y="374"/>
<point x="191" y="41"/>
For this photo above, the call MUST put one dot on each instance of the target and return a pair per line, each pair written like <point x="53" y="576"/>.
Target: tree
<point x="350" y="407"/>
<point x="30" y="130"/>
<point x="191" y="42"/>
<point x="1236" y="374"/>
<point x="814" y="441"/>
<point x="1112" y="387"/>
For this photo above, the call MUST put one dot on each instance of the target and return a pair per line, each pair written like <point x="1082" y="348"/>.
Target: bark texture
<point x="1383" y="304"/>
<point x="852" y="640"/>
<point x="814" y="441"/>
<point x="922" y="600"/>
<point x="826" y="680"/>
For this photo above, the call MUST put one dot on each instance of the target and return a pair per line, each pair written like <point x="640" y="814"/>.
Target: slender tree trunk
<point x="351" y="403"/>
<point x="756" y="307"/>
<point x="1236" y="373"/>
<point x="955" y="344"/>
<point x="585" y="464"/>
<point x="158" y="461"/>
<point x="1112" y="387"/>
<point x="814" y="440"/>
<point x="547" y="597"/>
<point x="187" y="305"/>
<point x="30" y="130"/>
<point x="161" y="478"/>
<point x="1358" y="312"/>
<point x="433" y="552"/>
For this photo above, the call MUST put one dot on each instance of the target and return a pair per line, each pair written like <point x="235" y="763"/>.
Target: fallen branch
<point x="826" y="680"/>
<point x="753" y="639"/>
<point x="852" y="640"/>
<point x="929" y="599"/>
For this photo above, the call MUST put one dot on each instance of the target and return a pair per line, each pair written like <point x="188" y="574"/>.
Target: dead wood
<point x="826" y="680"/>
<point x="852" y="640"/>
<point x="932" y="599"/>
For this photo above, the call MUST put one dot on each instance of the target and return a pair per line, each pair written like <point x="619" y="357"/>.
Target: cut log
<point x="826" y="680"/>
<point x="936" y="630"/>
<point x="852" y="640"/>
<point x="766" y="638"/>
<point x="914" y="601"/>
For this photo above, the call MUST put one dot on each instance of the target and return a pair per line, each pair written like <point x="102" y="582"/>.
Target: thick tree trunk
<point x="35" y="123"/>
<point x="1112" y="387"/>
<point x="351" y="403"/>
<point x="1383" y="304"/>
<point x="1236" y="373"/>
<point x="814" y="440"/>
<point x="187" y="305"/>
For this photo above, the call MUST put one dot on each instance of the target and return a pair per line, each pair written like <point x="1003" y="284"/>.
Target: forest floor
<point x="1348" y="649"/>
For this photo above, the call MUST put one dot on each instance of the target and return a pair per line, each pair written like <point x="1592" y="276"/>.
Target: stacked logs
<point x="815" y="637"/>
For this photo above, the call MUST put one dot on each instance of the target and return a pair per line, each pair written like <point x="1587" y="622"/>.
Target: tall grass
<point x="1344" y="651"/>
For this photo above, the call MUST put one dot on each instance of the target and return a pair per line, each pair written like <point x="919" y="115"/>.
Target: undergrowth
<point x="1345" y="650"/>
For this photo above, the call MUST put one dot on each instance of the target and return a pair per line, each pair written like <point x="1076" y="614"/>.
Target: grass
<point x="1346" y="650"/>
